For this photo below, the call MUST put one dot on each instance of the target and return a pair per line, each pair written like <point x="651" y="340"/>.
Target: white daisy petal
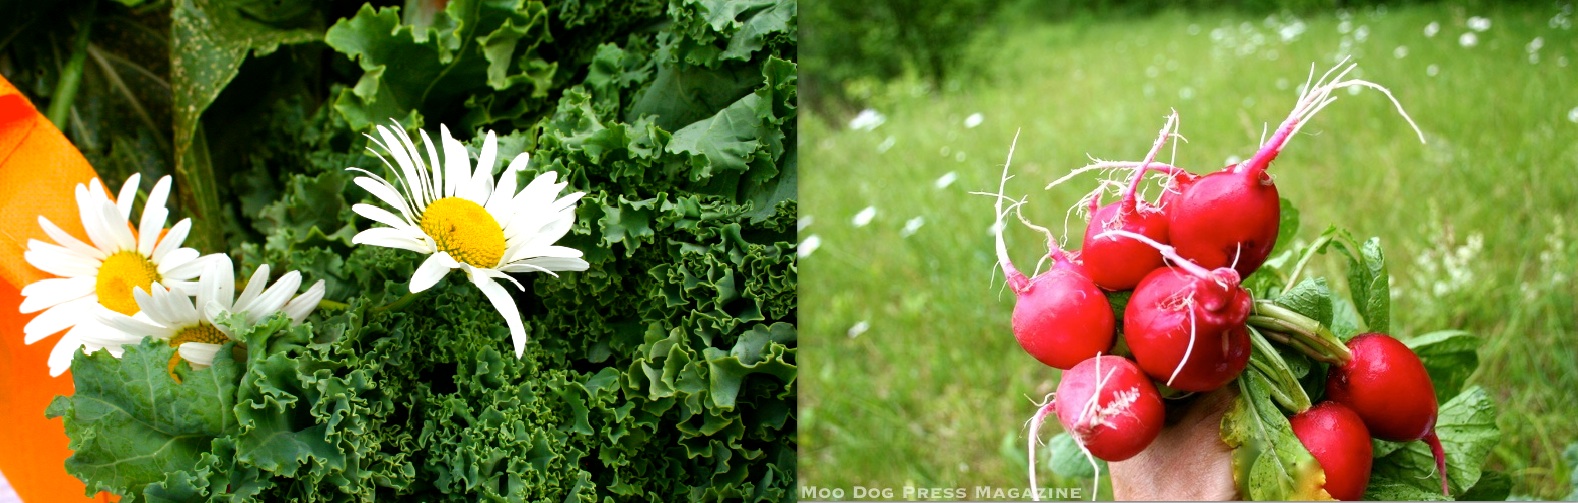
<point x="501" y="300"/>
<point x="402" y="188"/>
<point x="188" y="288"/>
<point x="565" y="202"/>
<point x="172" y="240"/>
<point x="549" y="226"/>
<point x="433" y="269"/>
<point x="390" y="167"/>
<point x="189" y="271"/>
<point x="392" y="238"/>
<point x="521" y="250"/>
<point x="65" y="349"/>
<point x="128" y="195"/>
<point x="493" y="273"/>
<point x="90" y="209"/>
<point x="55" y="319"/>
<point x="221" y="288"/>
<point x="542" y="252"/>
<point x="95" y="186"/>
<point x="498" y="204"/>
<point x="525" y="266"/>
<point x="131" y="325"/>
<point x="549" y="233"/>
<point x="423" y="183"/>
<point x="67" y="240"/>
<point x="541" y="188"/>
<point x="482" y="178"/>
<point x="255" y="285"/>
<point x="199" y="353"/>
<point x="381" y="216"/>
<point x="402" y="157"/>
<point x="181" y="258"/>
<point x="436" y="177"/>
<point x="457" y="162"/>
<point x="95" y="336"/>
<point x="154" y="215"/>
<point x="58" y="260"/>
<point x="54" y="291"/>
<point x="547" y="264"/>
<point x="385" y="192"/>
<point x="178" y="305"/>
<point x="115" y="223"/>
<point x="524" y="225"/>
<point x="303" y="305"/>
<point x="155" y="308"/>
<point x="274" y="297"/>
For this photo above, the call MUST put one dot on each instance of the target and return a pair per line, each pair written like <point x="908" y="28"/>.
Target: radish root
<point x="1188" y="350"/>
<point x="1168" y="130"/>
<point x="1088" y="414"/>
<point x="1435" y="450"/>
<point x="1035" y="427"/>
<point x="1314" y="98"/>
<point x="1170" y="253"/>
<point x="1016" y="279"/>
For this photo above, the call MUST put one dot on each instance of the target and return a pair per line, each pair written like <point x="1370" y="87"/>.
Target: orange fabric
<point x="39" y="169"/>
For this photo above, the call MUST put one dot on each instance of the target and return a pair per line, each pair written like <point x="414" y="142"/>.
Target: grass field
<point x="913" y="377"/>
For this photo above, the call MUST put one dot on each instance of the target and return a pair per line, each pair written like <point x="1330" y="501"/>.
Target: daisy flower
<point x="462" y="220"/>
<point x="193" y="328"/>
<point x="102" y="275"/>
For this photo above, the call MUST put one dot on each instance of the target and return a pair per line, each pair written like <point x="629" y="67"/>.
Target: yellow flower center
<point x="201" y="332"/>
<point x="118" y="275"/>
<point x="465" y="230"/>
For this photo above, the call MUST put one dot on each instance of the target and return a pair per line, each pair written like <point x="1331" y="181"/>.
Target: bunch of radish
<point x="1188" y="322"/>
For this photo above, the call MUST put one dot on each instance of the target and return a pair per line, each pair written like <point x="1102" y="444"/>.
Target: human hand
<point x="1187" y="461"/>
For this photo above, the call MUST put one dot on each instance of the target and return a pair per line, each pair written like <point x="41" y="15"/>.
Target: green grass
<point x="936" y="392"/>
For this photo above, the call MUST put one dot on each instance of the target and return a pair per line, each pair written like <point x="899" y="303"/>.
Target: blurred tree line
<point x="847" y="44"/>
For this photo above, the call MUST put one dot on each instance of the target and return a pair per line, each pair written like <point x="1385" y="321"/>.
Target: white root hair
<point x="1088" y="418"/>
<point x="1188" y="350"/>
<point x="1316" y="96"/>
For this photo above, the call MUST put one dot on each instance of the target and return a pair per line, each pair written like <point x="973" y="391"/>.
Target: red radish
<point x="1185" y="324"/>
<point x="1061" y="318"/>
<point x="1340" y="443"/>
<point x="1387" y="386"/>
<point x="1117" y="263"/>
<point x="1108" y="405"/>
<point x="1230" y="218"/>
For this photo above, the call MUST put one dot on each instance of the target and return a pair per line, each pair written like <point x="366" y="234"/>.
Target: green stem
<point x="1277" y="393"/>
<point x="329" y="304"/>
<point x="1309" y="253"/>
<point x="1314" y="344"/>
<point x="1300" y="345"/>
<point x="1277" y="368"/>
<point x="71" y="76"/>
<point x="398" y="303"/>
<point x="1302" y="326"/>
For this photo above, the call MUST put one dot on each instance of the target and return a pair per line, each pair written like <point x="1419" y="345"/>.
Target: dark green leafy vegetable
<point x="130" y="422"/>
<point x="665" y="372"/>
<point x="1450" y="356"/>
<point x="1467" y="427"/>
<point x="1273" y="464"/>
<point x="1401" y="471"/>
